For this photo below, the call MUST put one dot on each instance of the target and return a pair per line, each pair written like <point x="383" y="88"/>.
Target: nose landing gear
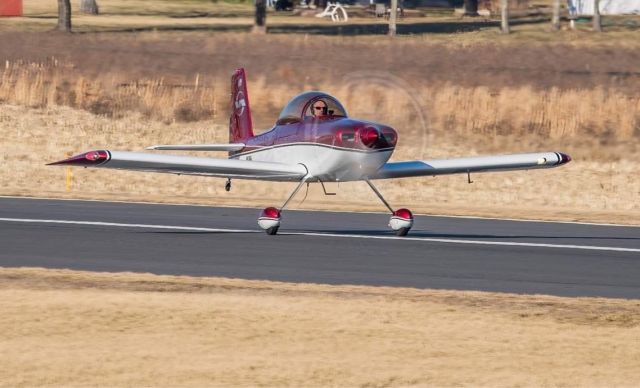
<point x="401" y="220"/>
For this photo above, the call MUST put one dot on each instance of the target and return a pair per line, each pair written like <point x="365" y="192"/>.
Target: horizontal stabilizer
<point x="197" y="147"/>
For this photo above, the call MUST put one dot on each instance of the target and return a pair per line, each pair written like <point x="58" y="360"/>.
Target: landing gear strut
<point x="401" y="220"/>
<point x="270" y="217"/>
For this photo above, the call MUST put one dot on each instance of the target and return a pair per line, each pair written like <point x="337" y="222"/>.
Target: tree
<point x="504" y="5"/>
<point x="392" y="17"/>
<point x="89" y="6"/>
<point x="261" y="17"/>
<point x="555" y="19"/>
<point x="64" y="16"/>
<point x="470" y="7"/>
<point x="597" y="24"/>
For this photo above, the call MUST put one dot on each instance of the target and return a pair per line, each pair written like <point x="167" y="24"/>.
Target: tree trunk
<point x="64" y="16"/>
<point x="89" y="7"/>
<point x="470" y="7"/>
<point x="555" y="19"/>
<point x="504" y="5"/>
<point x="261" y="17"/>
<point x="597" y="24"/>
<point x="392" y="17"/>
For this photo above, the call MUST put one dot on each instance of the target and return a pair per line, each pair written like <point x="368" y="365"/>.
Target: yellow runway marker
<point x="69" y="178"/>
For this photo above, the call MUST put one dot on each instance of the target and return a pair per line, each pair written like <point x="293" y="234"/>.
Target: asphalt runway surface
<point x="566" y="259"/>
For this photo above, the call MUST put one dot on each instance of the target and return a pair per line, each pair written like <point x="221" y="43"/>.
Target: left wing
<point x="197" y="147"/>
<point x="188" y="165"/>
<point x="474" y="164"/>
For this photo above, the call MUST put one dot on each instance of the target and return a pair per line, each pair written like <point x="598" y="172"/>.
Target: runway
<point x="565" y="259"/>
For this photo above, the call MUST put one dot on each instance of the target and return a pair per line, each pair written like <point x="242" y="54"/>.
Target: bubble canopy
<point x="301" y="107"/>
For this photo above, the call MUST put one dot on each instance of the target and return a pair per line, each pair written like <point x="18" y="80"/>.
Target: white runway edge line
<point x="423" y="239"/>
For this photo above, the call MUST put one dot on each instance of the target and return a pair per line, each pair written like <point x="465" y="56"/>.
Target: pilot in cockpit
<point x="319" y="109"/>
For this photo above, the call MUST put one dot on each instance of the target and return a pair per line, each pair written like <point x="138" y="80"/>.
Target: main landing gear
<point x="270" y="217"/>
<point x="401" y="220"/>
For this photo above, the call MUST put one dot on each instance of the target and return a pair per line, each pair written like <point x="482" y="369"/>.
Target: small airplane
<point x="313" y="140"/>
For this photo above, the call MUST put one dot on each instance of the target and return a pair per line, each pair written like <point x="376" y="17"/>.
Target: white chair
<point x="335" y="11"/>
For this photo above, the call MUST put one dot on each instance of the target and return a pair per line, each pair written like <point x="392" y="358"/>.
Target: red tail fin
<point x="240" y="125"/>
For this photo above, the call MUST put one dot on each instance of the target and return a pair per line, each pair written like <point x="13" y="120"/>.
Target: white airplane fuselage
<point x="323" y="162"/>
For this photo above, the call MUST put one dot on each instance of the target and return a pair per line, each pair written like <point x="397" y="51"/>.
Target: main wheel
<point x="272" y="231"/>
<point x="401" y="221"/>
<point x="269" y="220"/>
<point x="402" y="232"/>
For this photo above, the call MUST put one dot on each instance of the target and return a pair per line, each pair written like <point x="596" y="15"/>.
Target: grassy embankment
<point x="67" y="328"/>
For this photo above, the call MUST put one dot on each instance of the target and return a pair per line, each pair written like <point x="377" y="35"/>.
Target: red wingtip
<point x="564" y="158"/>
<point x="91" y="158"/>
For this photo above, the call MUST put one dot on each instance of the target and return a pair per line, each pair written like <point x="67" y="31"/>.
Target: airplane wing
<point x="197" y="147"/>
<point x="188" y="165"/>
<point x="416" y="168"/>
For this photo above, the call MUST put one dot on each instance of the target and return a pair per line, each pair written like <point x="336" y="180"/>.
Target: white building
<point x="607" y="7"/>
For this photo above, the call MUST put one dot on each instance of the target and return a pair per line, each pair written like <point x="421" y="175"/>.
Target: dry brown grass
<point x="48" y="84"/>
<point x="416" y="108"/>
<point x="64" y="328"/>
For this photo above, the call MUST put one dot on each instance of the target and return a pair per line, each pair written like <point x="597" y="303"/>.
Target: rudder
<point x="240" y="124"/>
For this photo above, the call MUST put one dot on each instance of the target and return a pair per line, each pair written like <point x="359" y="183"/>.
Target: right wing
<point x="415" y="168"/>
<point x="197" y="147"/>
<point x="188" y="165"/>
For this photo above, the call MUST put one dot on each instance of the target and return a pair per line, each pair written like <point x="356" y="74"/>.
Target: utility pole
<point x="555" y="19"/>
<point x="392" y="17"/>
<point x="597" y="24"/>
<point x="64" y="16"/>
<point x="505" y="16"/>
